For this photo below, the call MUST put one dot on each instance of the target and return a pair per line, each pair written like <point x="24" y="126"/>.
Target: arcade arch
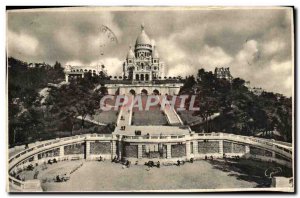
<point x="144" y="91"/>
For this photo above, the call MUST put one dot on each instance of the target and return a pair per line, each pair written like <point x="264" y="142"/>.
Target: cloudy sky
<point x="255" y="43"/>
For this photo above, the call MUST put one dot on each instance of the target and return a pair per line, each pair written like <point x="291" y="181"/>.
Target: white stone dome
<point x="143" y="38"/>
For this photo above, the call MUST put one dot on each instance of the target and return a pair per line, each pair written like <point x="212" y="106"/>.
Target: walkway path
<point x="173" y="117"/>
<point x="200" y="121"/>
<point x="91" y="121"/>
<point x="125" y="115"/>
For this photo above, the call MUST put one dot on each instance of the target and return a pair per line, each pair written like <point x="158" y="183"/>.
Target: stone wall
<point x="280" y="157"/>
<point x="74" y="149"/>
<point x="152" y="151"/>
<point x="100" y="147"/>
<point x="238" y="148"/>
<point x="261" y="152"/>
<point x="178" y="150"/>
<point x="51" y="153"/>
<point x="208" y="147"/>
<point x="130" y="150"/>
<point x="227" y="147"/>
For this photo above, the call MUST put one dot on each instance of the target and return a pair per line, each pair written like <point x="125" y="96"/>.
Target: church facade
<point x="143" y="71"/>
<point x="143" y="62"/>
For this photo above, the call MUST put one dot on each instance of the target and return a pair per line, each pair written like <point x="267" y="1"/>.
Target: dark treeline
<point x="24" y="83"/>
<point x="241" y="111"/>
<point x="34" y="116"/>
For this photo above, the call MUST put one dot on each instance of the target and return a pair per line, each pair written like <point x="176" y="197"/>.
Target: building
<point x="79" y="71"/>
<point x="255" y="90"/>
<point x="143" y="71"/>
<point x="143" y="62"/>
<point x="223" y="72"/>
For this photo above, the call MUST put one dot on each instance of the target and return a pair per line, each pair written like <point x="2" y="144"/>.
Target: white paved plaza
<point x="107" y="176"/>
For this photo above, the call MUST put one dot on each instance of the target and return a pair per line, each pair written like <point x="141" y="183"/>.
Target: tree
<point x="189" y="83"/>
<point x="78" y="99"/>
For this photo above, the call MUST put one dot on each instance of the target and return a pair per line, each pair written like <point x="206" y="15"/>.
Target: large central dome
<point x="143" y="38"/>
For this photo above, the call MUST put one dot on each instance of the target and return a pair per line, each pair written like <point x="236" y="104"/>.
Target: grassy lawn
<point x="153" y="116"/>
<point x="187" y="116"/>
<point x="105" y="117"/>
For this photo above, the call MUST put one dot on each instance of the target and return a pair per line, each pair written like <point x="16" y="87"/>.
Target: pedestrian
<point x="191" y="160"/>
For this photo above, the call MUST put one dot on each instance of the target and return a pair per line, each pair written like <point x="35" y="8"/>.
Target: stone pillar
<point x="188" y="149"/>
<point x="67" y="77"/>
<point x="113" y="149"/>
<point x="247" y="149"/>
<point x="273" y="151"/>
<point x="120" y="148"/>
<point x="140" y="151"/>
<point x="61" y="151"/>
<point x="221" y="147"/>
<point x="273" y="154"/>
<point x="169" y="152"/>
<point x="87" y="150"/>
<point x="35" y="158"/>
<point x="195" y="147"/>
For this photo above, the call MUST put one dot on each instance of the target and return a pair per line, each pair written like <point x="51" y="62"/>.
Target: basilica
<point x="143" y="63"/>
<point x="143" y="71"/>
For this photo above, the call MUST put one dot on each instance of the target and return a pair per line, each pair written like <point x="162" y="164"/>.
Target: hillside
<point x="241" y="111"/>
<point x="35" y="93"/>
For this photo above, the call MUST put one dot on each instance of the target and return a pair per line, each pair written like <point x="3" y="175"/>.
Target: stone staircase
<point x="172" y="117"/>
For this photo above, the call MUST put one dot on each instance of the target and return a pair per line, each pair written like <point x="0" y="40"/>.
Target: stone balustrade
<point x="171" y="147"/>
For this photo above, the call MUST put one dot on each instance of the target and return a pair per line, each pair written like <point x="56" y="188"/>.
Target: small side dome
<point x="155" y="53"/>
<point x="130" y="53"/>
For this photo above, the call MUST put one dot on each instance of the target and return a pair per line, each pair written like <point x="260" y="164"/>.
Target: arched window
<point x="156" y="92"/>
<point x="144" y="91"/>
<point x="132" y="92"/>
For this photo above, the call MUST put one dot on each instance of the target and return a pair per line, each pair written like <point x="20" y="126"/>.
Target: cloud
<point x="74" y="63"/>
<point x="252" y="42"/>
<point x="246" y="54"/>
<point x="180" y="70"/>
<point x="113" y="65"/>
<point x="170" y="51"/>
<point x="211" y="57"/>
<point x="22" y="44"/>
<point x="275" y="76"/>
<point x="273" y="47"/>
